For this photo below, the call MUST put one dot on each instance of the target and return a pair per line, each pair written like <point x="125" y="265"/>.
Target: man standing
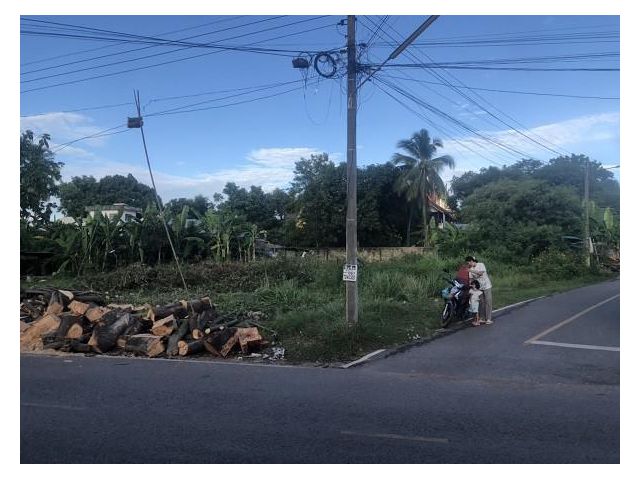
<point x="477" y="271"/>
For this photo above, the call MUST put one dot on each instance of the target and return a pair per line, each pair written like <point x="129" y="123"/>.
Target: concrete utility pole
<point x="587" y="233"/>
<point x="350" y="273"/>
<point x="351" y="268"/>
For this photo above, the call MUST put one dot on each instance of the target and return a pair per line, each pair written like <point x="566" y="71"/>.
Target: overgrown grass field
<point x="304" y="298"/>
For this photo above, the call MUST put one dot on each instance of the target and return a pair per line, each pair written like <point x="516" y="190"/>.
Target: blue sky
<point x="258" y="142"/>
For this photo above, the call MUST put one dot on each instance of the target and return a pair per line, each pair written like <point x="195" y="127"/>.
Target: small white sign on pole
<point x="350" y="273"/>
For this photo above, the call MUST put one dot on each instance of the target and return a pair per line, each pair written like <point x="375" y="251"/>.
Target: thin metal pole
<point x="352" y="225"/>
<point x="587" y="233"/>
<point x="158" y="203"/>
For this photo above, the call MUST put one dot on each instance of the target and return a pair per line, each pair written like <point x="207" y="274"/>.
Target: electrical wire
<point x="79" y="52"/>
<point x="521" y="92"/>
<point x="493" y="115"/>
<point x="159" y="64"/>
<point x="212" y="44"/>
<point x="87" y="137"/>
<point x="152" y="46"/>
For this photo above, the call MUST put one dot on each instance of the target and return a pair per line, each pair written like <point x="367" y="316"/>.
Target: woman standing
<point x="477" y="271"/>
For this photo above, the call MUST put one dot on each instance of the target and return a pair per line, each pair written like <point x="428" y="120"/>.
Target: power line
<point x="521" y="92"/>
<point x="87" y="137"/>
<point x="163" y="63"/>
<point x="84" y="109"/>
<point x="153" y="46"/>
<point x="437" y="75"/>
<point x="518" y="131"/>
<point x="211" y="44"/>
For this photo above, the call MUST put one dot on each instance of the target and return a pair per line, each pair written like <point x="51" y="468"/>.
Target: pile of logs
<point x="75" y="321"/>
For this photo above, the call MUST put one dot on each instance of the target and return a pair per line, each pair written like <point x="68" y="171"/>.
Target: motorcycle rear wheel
<point x="447" y="314"/>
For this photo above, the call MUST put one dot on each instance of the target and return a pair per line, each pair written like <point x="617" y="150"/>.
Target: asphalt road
<point x="480" y="395"/>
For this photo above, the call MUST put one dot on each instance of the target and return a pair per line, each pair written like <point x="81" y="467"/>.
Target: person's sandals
<point x="486" y="322"/>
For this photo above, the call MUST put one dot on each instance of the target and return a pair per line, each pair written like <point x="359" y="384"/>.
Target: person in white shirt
<point x="477" y="271"/>
<point x="474" y="301"/>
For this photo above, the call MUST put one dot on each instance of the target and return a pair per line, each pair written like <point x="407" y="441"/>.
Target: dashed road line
<point x="393" y="436"/>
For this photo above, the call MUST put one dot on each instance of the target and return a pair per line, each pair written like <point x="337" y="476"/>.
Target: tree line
<point x="517" y="211"/>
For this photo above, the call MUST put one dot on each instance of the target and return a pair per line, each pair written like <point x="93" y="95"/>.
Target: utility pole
<point x="350" y="272"/>
<point x="587" y="233"/>
<point x="351" y="267"/>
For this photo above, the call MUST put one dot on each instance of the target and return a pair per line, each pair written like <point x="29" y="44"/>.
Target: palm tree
<point x="421" y="173"/>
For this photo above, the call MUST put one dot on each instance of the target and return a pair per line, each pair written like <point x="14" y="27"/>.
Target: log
<point x="191" y="347"/>
<point x="30" y="339"/>
<point x="107" y="330"/>
<point x="197" y="305"/>
<point x="164" y="327"/>
<point x="75" y="331"/>
<point x="176" y="337"/>
<point x="67" y="294"/>
<point x="67" y="320"/>
<point x="94" y="314"/>
<point x="220" y="343"/>
<point x="139" y="325"/>
<point x="56" y="304"/>
<point x="248" y="338"/>
<point x="150" y="345"/>
<point x="23" y="326"/>
<point x="31" y="310"/>
<point x="158" y="312"/>
<point x="79" y="308"/>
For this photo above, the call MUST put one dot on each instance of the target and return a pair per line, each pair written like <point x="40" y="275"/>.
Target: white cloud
<point x="266" y="167"/>
<point x="63" y="127"/>
<point x="568" y="135"/>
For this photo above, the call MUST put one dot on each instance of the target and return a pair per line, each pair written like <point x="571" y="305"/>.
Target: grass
<point x="304" y="298"/>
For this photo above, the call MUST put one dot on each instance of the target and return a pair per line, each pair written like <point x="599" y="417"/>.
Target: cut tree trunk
<point x="94" y="314"/>
<point x="176" y="337"/>
<point x="164" y="327"/>
<point x="56" y="304"/>
<point x="221" y="342"/>
<point x="79" y="308"/>
<point x="150" y="345"/>
<point x="106" y="331"/>
<point x="160" y="312"/>
<point x="190" y="347"/>
<point x="31" y="339"/>
<point x="248" y="338"/>
<point x="197" y="305"/>
<point x="67" y="320"/>
<point x="75" y="331"/>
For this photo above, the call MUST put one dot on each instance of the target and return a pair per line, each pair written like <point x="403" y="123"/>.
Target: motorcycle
<point x="455" y="302"/>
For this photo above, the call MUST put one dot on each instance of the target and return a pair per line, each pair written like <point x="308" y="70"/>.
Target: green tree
<point x="319" y="189"/>
<point x="421" y="172"/>
<point x="85" y="191"/>
<point x="39" y="174"/>
<point x="518" y="219"/>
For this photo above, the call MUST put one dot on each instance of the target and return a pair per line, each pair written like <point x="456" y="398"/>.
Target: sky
<point x="248" y="116"/>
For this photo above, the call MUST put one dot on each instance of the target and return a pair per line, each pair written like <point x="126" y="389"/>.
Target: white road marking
<point x="45" y="405"/>
<point x="360" y="360"/>
<point x="570" y="319"/>
<point x="575" y="345"/>
<point x="396" y="437"/>
<point x="516" y="304"/>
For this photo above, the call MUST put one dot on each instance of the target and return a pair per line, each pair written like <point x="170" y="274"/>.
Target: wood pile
<point x="78" y="321"/>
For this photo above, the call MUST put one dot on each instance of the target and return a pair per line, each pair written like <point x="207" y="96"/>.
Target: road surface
<point x="480" y="395"/>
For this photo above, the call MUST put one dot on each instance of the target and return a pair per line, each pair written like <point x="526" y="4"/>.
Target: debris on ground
<point x="81" y="321"/>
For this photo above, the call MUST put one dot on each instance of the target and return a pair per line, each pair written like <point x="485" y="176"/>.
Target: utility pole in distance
<point x="350" y="274"/>
<point x="587" y="233"/>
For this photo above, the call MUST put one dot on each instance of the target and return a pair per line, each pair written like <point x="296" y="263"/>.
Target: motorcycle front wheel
<point x="447" y="313"/>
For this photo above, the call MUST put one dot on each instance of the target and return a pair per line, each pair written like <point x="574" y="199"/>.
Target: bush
<point x="557" y="264"/>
